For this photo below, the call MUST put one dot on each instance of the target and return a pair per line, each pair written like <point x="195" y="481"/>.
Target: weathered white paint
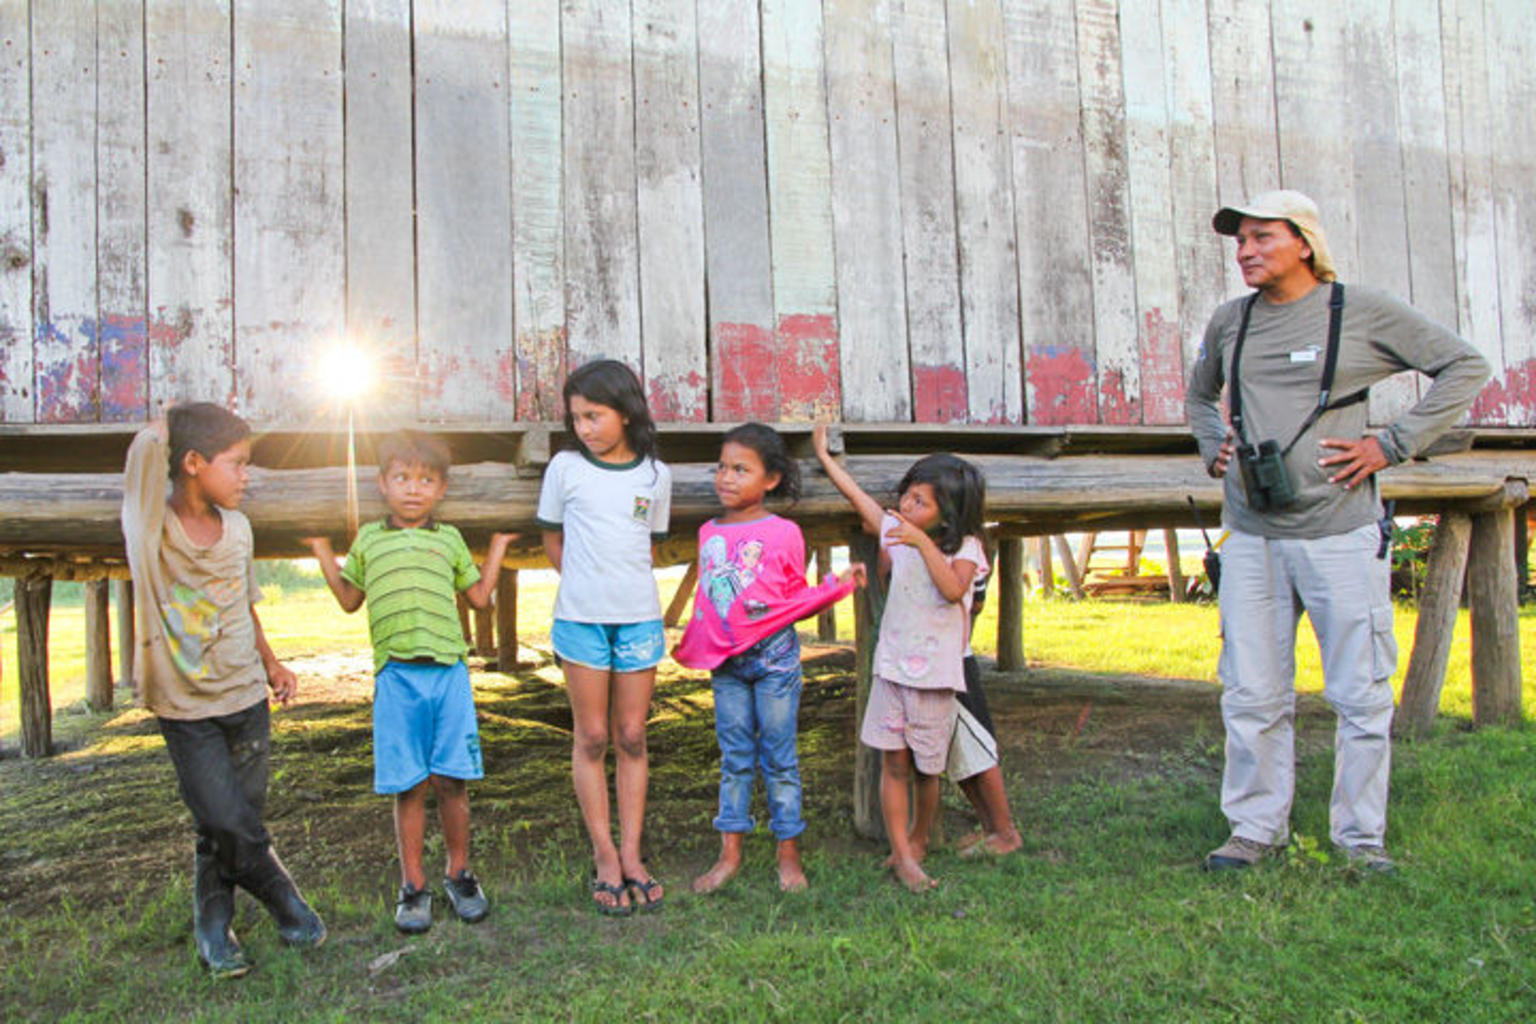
<point x="1149" y="160"/>
<point x="737" y="254"/>
<point x="984" y="216"/>
<point x="64" y="214"/>
<point x="669" y="208"/>
<point x="602" y="303"/>
<point x="800" y="207"/>
<point x="1117" y="353"/>
<point x="1051" y="208"/>
<point x="121" y="300"/>
<point x="866" y="207"/>
<point x="380" y="201"/>
<point x="1512" y="93"/>
<point x="16" y="360"/>
<point x="189" y="203"/>
<point x="538" y="219"/>
<point x="888" y="209"/>
<point x="290" y="297"/>
<point x="1201" y="261"/>
<point x="463" y="212"/>
<point x="925" y="158"/>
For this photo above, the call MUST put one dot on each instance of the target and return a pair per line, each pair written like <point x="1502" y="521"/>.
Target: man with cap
<point x="1305" y="521"/>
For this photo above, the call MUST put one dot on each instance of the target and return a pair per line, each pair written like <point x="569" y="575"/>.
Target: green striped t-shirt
<point x="411" y="578"/>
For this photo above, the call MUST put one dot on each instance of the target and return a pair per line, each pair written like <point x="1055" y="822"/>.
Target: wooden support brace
<point x="124" y="632"/>
<point x="1178" y="586"/>
<point x="1068" y="565"/>
<point x="681" y="595"/>
<point x="34" y="596"/>
<point x="1491" y="592"/>
<point x="1010" y="604"/>
<point x="98" y="645"/>
<point x="485" y="632"/>
<point x="868" y="604"/>
<point x="506" y="620"/>
<point x="1444" y="575"/>
<point x="826" y="619"/>
<point x="1047" y="571"/>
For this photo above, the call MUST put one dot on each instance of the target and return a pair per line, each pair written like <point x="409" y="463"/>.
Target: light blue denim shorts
<point x="613" y="646"/>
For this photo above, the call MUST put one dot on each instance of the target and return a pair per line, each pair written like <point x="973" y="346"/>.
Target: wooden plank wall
<point x="982" y="211"/>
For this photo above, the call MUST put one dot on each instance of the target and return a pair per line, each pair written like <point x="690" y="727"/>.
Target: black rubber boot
<point x="269" y="882"/>
<point x="213" y="912"/>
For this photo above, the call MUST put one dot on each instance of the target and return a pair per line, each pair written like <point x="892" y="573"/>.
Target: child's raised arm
<point x="347" y="594"/>
<point x="479" y="594"/>
<point x="869" y="510"/>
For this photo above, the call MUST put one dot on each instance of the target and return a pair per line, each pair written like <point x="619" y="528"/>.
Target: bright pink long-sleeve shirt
<point x="751" y="585"/>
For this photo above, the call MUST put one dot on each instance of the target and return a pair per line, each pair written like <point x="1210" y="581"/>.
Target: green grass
<point x="1102" y="917"/>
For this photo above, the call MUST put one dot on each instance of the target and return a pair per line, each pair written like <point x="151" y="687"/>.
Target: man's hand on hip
<point x="1356" y="460"/>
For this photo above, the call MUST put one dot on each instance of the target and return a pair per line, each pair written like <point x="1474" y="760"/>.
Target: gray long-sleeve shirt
<point x="1282" y="370"/>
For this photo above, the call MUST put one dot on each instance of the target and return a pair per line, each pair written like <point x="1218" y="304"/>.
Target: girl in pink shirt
<point x="751" y="592"/>
<point x="930" y="552"/>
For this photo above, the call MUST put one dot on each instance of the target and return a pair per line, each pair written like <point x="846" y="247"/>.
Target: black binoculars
<point x="1264" y="476"/>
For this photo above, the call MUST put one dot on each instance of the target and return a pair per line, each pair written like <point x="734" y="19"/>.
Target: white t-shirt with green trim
<point x="610" y="514"/>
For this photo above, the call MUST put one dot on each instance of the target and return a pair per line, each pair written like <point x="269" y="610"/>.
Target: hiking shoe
<point x="1235" y="854"/>
<point x="1370" y="858"/>
<point x="413" y="913"/>
<point x="467" y="897"/>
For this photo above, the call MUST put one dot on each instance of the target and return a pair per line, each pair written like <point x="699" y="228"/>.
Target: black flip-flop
<point x="645" y="888"/>
<point x="618" y="892"/>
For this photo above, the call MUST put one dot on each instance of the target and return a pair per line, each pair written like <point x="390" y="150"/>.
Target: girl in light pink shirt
<point x="930" y="551"/>
<point x="752" y="590"/>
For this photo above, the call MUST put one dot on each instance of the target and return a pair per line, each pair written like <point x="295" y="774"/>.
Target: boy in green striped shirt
<point x="409" y="567"/>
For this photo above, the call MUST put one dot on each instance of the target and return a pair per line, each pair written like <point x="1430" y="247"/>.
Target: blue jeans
<point x="757" y="707"/>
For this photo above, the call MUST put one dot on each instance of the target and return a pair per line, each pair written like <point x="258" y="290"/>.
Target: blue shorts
<point x="423" y="724"/>
<point x="613" y="646"/>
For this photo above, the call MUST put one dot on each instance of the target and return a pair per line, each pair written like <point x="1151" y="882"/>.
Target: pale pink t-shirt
<point x="751" y="585"/>
<point x="923" y="635"/>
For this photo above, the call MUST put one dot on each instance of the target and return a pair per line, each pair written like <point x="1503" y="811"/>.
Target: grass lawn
<point x="1112" y="753"/>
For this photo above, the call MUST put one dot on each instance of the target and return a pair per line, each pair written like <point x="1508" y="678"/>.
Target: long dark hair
<point x="770" y="447"/>
<point x="611" y="383"/>
<point x="961" y="493"/>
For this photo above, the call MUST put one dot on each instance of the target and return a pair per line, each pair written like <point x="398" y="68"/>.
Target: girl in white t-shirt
<point x="930" y="551"/>
<point x="601" y="508"/>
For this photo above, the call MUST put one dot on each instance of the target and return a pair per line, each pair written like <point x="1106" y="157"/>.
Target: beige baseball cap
<point x="1293" y="207"/>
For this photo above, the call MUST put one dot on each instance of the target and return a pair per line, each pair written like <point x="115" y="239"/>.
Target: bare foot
<point x="919" y="853"/>
<point x="969" y="840"/>
<point x="724" y="870"/>
<point x="911" y="874"/>
<point x="791" y="873"/>
<point x="994" y="844"/>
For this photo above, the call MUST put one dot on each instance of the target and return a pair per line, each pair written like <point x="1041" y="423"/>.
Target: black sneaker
<point x="466" y="896"/>
<point x="413" y="912"/>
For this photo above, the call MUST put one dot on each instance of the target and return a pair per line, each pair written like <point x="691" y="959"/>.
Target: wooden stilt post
<point x="485" y="632"/>
<point x="1043" y="563"/>
<point x="125" y="632"/>
<point x="98" y="645"/>
<point x="1523" y="516"/>
<point x="34" y="595"/>
<point x="1069" y="565"/>
<point x="1010" y="604"/>
<point x="1178" y="586"/>
<point x="1495" y="620"/>
<point x="868" y="603"/>
<point x="826" y="619"/>
<point x="506" y="620"/>
<point x="681" y="595"/>
<point x="1446" y="570"/>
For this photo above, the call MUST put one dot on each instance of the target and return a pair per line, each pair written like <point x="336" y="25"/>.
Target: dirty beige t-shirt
<point x="195" y="655"/>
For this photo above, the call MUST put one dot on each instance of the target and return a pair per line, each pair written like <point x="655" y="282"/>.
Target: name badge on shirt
<point x="1306" y="355"/>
